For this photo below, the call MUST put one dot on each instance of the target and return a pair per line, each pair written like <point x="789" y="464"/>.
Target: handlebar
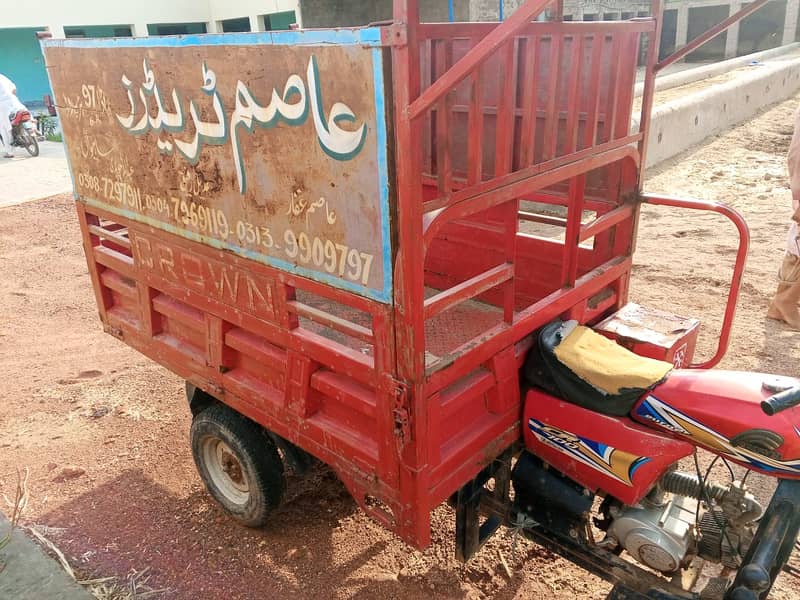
<point x="781" y="401"/>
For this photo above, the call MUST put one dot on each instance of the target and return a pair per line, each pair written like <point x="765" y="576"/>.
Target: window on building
<point x="279" y="21"/>
<point x="175" y="28"/>
<point x="610" y="16"/>
<point x="590" y="16"/>
<point x="567" y="17"/>
<point x="236" y="25"/>
<point x="98" y="31"/>
<point x="701" y="19"/>
<point x="669" y="33"/>
<point x="763" y="29"/>
<point x="627" y="15"/>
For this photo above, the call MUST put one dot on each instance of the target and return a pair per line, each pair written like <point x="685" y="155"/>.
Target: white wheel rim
<point x="225" y="470"/>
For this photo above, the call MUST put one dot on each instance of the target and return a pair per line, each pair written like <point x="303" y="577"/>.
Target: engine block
<point x="659" y="536"/>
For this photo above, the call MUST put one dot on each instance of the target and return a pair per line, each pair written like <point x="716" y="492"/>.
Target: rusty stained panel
<point x="275" y="152"/>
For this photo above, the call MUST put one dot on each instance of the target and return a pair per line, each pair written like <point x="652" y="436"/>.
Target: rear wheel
<point x="29" y="143"/>
<point x="239" y="464"/>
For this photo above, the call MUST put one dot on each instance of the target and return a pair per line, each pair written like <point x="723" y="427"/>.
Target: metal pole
<point x="500" y="10"/>
<point x="451" y="13"/>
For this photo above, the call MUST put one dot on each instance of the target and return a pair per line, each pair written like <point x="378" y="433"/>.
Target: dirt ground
<point x="104" y="431"/>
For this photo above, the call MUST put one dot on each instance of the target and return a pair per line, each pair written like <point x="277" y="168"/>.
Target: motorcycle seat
<point x="592" y="371"/>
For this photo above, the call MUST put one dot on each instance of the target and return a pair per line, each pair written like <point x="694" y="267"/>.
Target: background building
<point x="21" y="59"/>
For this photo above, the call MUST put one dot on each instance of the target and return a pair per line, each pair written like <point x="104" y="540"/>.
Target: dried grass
<point x="17" y="506"/>
<point x="133" y="587"/>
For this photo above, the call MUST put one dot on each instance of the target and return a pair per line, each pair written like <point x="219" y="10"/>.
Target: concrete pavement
<point x="25" y="178"/>
<point x="28" y="574"/>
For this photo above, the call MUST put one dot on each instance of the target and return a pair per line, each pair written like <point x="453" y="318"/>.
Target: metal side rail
<point x="738" y="267"/>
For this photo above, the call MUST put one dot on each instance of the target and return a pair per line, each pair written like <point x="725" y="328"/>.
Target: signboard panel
<point x="270" y="145"/>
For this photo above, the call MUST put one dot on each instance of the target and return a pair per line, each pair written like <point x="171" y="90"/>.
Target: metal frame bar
<point x="499" y="36"/>
<point x="710" y="34"/>
<point x="738" y="267"/>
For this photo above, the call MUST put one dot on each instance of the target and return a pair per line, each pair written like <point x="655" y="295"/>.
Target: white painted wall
<point x="104" y="12"/>
<point x="231" y="9"/>
<point x="681" y="123"/>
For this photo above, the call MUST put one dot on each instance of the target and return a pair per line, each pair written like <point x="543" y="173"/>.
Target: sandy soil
<point x="104" y="431"/>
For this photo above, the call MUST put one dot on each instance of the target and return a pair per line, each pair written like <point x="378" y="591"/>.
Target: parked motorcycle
<point x="600" y="476"/>
<point x="23" y="132"/>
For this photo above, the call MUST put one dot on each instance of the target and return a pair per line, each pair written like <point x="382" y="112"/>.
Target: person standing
<point x="784" y="305"/>
<point x="9" y="103"/>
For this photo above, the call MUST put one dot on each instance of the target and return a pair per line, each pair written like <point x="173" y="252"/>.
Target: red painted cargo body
<point x="513" y="200"/>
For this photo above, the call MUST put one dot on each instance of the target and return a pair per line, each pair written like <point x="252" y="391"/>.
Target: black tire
<point x="30" y="144"/>
<point x="239" y="464"/>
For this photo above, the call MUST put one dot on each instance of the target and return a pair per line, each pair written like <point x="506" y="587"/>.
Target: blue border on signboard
<point x="364" y="37"/>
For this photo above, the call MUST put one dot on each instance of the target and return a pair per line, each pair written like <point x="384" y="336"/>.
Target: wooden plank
<point x="476" y="122"/>
<point x="544" y="219"/>
<point x="328" y="320"/>
<point x="519" y="187"/>
<point x="118" y="283"/>
<point x="476" y="56"/>
<point x="114" y="236"/>
<point x="506" y="108"/>
<point x="114" y="260"/>
<point x="551" y="117"/>
<point x="530" y="80"/>
<point x="468" y="289"/>
<point x="345" y="391"/>
<point x="578" y="160"/>
<point x="470" y="355"/>
<point x="573" y="99"/>
<point x="606" y="221"/>
<point x="607" y="133"/>
<point x="181" y="312"/>
<point x="569" y="267"/>
<point x="457" y="31"/>
<point x="444" y="166"/>
<point x="590" y="129"/>
<point x="257" y="347"/>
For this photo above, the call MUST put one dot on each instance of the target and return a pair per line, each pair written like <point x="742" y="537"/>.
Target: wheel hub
<point x="226" y="470"/>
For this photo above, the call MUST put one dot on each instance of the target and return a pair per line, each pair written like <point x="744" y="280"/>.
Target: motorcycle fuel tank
<point x="721" y="411"/>
<point x="601" y="452"/>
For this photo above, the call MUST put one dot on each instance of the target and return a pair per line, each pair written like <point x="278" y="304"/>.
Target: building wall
<point x="21" y="61"/>
<point x="229" y="9"/>
<point x="350" y="13"/>
<point x="103" y="12"/>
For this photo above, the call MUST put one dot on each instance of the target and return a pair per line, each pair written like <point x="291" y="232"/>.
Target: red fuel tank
<point x="601" y="452"/>
<point x="721" y="411"/>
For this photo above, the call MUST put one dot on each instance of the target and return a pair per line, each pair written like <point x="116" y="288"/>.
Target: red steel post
<point x="656" y="10"/>
<point x="738" y="267"/>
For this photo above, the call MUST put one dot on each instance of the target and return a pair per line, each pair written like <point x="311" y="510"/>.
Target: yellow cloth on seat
<point x="605" y="364"/>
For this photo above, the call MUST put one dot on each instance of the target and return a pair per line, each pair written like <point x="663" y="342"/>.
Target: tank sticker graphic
<point x="664" y="415"/>
<point x="610" y="461"/>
